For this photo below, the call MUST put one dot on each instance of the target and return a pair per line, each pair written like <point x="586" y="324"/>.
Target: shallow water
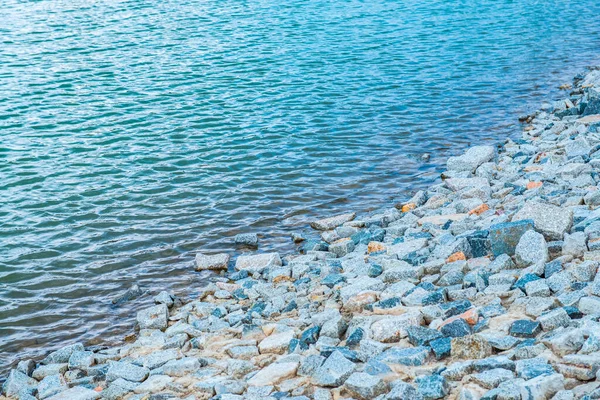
<point x="134" y="133"/>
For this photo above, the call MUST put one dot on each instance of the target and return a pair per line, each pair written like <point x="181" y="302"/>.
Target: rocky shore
<point x="485" y="286"/>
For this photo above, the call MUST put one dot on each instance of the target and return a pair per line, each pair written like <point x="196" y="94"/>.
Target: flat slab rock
<point x="552" y="221"/>
<point x="257" y="262"/>
<point x="211" y="262"/>
<point x="332" y="222"/>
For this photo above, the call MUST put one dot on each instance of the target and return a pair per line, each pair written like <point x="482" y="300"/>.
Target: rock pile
<point x="485" y="286"/>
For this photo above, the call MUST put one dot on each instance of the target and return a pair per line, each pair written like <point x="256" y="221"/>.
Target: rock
<point x="274" y="373"/>
<point x="525" y="328"/>
<point x="589" y="305"/>
<point x="62" y="355"/>
<point x="492" y="378"/>
<point x="126" y="371"/>
<point x="552" y="221"/>
<point x="432" y="387"/>
<point x="420" y="336"/>
<point x="133" y="292"/>
<point x="470" y="347"/>
<point x="276" y="343"/>
<point x="531" y="249"/>
<point x="154" y="384"/>
<point x="164" y="298"/>
<point x="537" y="288"/>
<point x="471" y="159"/>
<point x="81" y="360"/>
<point x="183" y="366"/>
<point x="51" y="385"/>
<point x="258" y="262"/>
<point x="18" y="382"/>
<point x="334" y="371"/>
<point x="332" y="222"/>
<point x="412" y="356"/>
<point x="457" y="328"/>
<point x="544" y="386"/>
<point x="393" y="328"/>
<point x="76" y="393"/>
<point x="365" y="386"/>
<point x="554" y="319"/>
<point x="155" y="317"/>
<point x="504" y="237"/>
<point x="246" y="239"/>
<point x="342" y="247"/>
<point x="403" y="391"/>
<point x="441" y="347"/>
<point x="574" y="244"/>
<point x="212" y="262"/>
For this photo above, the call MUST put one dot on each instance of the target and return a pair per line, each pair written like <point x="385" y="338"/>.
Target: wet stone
<point x="246" y="239"/>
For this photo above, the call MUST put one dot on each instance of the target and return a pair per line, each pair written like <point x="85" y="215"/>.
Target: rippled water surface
<point x="134" y="133"/>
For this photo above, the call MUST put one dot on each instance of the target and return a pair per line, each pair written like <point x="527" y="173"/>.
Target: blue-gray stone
<point x="436" y="297"/>
<point x="420" y="336"/>
<point x="351" y="355"/>
<point x="455" y="308"/>
<point x="238" y="275"/>
<point x="492" y="310"/>
<point x="573" y="312"/>
<point x="374" y="367"/>
<point x="458" y="328"/>
<point x="529" y="369"/>
<point x="310" y="335"/>
<point x="296" y="344"/>
<point x="355" y="337"/>
<point x="333" y="279"/>
<point x="481" y="325"/>
<point x="441" y="347"/>
<point x="432" y="387"/>
<point x="388" y="303"/>
<point x="292" y="305"/>
<point x="525" y="279"/>
<point x="375" y="270"/>
<point x="479" y="242"/>
<point x="412" y="356"/>
<point x="240" y="294"/>
<point x="525" y="329"/>
<point x="504" y="237"/>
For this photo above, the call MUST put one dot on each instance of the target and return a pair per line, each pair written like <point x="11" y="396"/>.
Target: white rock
<point x="257" y="262"/>
<point x="274" y="373"/>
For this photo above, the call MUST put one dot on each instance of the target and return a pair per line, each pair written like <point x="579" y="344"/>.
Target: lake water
<point x="135" y="133"/>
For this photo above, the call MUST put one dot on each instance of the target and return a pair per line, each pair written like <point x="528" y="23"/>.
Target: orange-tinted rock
<point x="282" y="278"/>
<point x="479" y="209"/>
<point x="374" y="247"/>
<point x="408" y="207"/>
<point x="534" y="185"/>
<point x="459" y="255"/>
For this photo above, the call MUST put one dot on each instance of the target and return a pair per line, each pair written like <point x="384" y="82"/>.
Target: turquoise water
<point x="134" y="133"/>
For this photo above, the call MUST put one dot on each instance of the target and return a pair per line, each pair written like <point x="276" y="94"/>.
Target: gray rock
<point x="432" y="387"/>
<point x="332" y="222"/>
<point x="257" y="262"/>
<point x="334" y="371"/>
<point x="154" y="384"/>
<point x="471" y="159"/>
<point x="76" y="393"/>
<point x="342" y="247"/>
<point x="548" y="219"/>
<point x="365" y="386"/>
<point x="574" y="244"/>
<point x="403" y="391"/>
<point x="126" y="371"/>
<point x="26" y="367"/>
<point x="182" y="367"/>
<point x="246" y="239"/>
<point x="212" y="262"/>
<point x="51" y="369"/>
<point x="537" y="288"/>
<point x="532" y="249"/>
<point x="17" y="382"/>
<point x="81" y="360"/>
<point x="492" y="378"/>
<point x="164" y="298"/>
<point x="554" y="319"/>
<point x="589" y="305"/>
<point x="471" y="347"/>
<point x="155" y="317"/>
<point x="51" y="385"/>
<point x="62" y="355"/>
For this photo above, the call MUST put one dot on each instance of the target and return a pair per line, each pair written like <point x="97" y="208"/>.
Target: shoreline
<point x="483" y="285"/>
